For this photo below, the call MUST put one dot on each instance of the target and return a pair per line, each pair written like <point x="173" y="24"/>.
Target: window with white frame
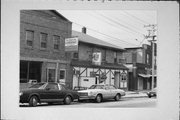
<point x="43" y="38"/>
<point x="123" y="77"/>
<point x="29" y="38"/>
<point x="56" y="40"/>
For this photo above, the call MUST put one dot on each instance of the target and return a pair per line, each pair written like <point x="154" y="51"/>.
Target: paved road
<point x="123" y="103"/>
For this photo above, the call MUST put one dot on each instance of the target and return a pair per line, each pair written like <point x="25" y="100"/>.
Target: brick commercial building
<point x="97" y="62"/>
<point x="42" y="46"/>
<point x="139" y="62"/>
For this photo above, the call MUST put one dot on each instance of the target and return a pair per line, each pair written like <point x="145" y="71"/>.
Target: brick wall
<point x="109" y="56"/>
<point x="31" y="20"/>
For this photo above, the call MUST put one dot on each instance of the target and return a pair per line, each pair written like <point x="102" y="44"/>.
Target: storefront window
<point x="62" y="74"/>
<point x="123" y="77"/>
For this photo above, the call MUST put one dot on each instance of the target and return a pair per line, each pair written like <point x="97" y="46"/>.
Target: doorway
<point x="51" y="72"/>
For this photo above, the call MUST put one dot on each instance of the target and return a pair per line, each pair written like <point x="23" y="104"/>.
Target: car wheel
<point x="149" y="96"/>
<point x="98" y="98"/>
<point x="117" y="97"/>
<point x="67" y="100"/>
<point x="33" y="101"/>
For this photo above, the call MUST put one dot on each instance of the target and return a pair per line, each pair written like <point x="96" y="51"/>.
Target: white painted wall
<point x="85" y="83"/>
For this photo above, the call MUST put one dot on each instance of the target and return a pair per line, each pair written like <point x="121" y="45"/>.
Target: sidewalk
<point x="135" y="94"/>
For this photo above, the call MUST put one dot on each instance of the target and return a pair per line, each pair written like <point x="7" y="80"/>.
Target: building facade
<point x="42" y="44"/>
<point x="97" y="62"/>
<point x="139" y="62"/>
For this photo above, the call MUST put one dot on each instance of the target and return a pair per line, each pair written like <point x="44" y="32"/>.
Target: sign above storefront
<point x="71" y="44"/>
<point x="96" y="60"/>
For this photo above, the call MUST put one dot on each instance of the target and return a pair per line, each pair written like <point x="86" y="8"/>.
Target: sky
<point x="124" y="28"/>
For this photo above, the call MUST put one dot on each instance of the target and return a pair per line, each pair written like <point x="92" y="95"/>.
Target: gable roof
<point x="60" y="15"/>
<point x="82" y="37"/>
<point x="51" y="14"/>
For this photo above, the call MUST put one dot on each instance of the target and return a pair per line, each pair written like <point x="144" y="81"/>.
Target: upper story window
<point x="75" y="55"/>
<point x="115" y="57"/>
<point x="56" y="40"/>
<point x="29" y="38"/>
<point x="147" y="59"/>
<point x="43" y="38"/>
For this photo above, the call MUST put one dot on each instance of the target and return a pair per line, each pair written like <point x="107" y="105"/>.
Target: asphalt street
<point x="123" y="103"/>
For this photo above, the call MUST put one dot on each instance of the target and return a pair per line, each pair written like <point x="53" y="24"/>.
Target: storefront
<point x="34" y="70"/>
<point x="85" y="75"/>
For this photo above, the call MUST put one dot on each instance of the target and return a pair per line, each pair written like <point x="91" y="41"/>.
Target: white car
<point x="101" y="92"/>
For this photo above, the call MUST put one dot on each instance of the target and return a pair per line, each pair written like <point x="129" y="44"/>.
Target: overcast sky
<point x="124" y="28"/>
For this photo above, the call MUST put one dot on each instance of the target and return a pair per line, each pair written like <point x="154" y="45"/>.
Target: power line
<point x="144" y="22"/>
<point x="120" y="24"/>
<point x="132" y="26"/>
<point x="113" y="25"/>
<point x="107" y="35"/>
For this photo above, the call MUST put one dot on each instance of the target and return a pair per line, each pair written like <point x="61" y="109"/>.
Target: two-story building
<point x="42" y="54"/>
<point x="97" y="62"/>
<point x="139" y="62"/>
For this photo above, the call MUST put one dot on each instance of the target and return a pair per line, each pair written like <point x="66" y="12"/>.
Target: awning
<point x="146" y="75"/>
<point x="103" y="65"/>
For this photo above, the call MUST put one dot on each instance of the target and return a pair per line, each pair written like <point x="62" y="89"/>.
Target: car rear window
<point x="38" y="85"/>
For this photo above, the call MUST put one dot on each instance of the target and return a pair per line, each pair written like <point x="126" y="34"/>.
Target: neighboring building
<point x="139" y="62"/>
<point x="97" y="62"/>
<point x="42" y="44"/>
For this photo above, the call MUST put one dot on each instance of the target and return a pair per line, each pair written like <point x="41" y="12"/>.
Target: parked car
<point x="77" y="88"/>
<point x="101" y="92"/>
<point x="152" y="93"/>
<point x="47" y="92"/>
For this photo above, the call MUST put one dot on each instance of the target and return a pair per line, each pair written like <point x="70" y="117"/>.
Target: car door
<point x="107" y="92"/>
<point x="113" y="91"/>
<point x="50" y="92"/>
<point x="62" y="92"/>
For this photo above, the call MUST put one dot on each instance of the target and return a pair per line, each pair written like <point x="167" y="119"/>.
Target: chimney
<point x="84" y="30"/>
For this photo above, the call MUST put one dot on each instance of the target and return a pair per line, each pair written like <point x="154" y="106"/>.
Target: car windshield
<point x="38" y="85"/>
<point x="96" y="87"/>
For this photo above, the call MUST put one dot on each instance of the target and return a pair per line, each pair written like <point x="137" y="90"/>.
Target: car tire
<point x="33" y="101"/>
<point x="117" y="97"/>
<point x="98" y="99"/>
<point x="67" y="100"/>
<point x="149" y="96"/>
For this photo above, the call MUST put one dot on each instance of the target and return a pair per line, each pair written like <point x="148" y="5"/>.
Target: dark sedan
<point x="47" y="92"/>
<point x="152" y="93"/>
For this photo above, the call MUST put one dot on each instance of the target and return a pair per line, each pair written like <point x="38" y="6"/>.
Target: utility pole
<point x="152" y="35"/>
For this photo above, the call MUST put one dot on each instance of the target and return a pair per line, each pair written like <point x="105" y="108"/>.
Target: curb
<point x="134" y="96"/>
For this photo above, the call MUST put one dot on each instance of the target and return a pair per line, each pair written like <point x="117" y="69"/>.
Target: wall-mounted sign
<point x="97" y="58"/>
<point x="71" y="44"/>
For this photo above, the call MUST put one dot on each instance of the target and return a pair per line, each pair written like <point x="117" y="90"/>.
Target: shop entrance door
<point x="51" y="75"/>
<point x="117" y="79"/>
